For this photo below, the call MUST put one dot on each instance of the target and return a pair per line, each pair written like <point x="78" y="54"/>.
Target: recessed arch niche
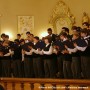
<point x="61" y="16"/>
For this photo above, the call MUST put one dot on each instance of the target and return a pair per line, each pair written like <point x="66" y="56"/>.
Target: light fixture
<point x="43" y="34"/>
<point x="9" y="34"/>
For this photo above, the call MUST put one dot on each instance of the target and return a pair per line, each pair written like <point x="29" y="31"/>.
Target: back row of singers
<point x="42" y="58"/>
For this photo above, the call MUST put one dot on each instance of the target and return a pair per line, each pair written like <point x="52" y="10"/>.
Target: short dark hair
<point x="3" y="35"/>
<point x="63" y="34"/>
<point x="79" y="29"/>
<point x="86" y="23"/>
<point x="74" y="27"/>
<point x="18" y="34"/>
<point x="49" y="29"/>
<point x="6" y="36"/>
<point x="28" y="32"/>
<point x="84" y="31"/>
<point x="66" y="29"/>
<point x="49" y="39"/>
<point x="36" y="37"/>
<point x="16" y="40"/>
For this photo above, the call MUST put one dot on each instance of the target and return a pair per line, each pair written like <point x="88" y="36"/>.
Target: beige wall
<point x="40" y="9"/>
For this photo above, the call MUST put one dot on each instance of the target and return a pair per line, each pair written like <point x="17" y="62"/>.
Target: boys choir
<point x="55" y="56"/>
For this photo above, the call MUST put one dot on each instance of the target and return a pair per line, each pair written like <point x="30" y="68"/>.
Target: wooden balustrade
<point x="44" y="84"/>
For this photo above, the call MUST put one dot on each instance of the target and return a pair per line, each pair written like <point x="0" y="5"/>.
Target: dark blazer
<point x="52" y="37"/>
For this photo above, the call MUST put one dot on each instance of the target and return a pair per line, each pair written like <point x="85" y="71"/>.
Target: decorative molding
<point x="62" y="14"/>
<point x="25" y="23"/>
<point x="85" y="18"/>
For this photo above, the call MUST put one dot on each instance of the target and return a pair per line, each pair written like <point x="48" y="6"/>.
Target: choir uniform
<point x="60" y="57"/>
<point x="69" y="37"/>
<point x="27" y="60"/>
<point x="38" y="59"/>
<point x="6" y="62"/>
<point x="76" y="64"/>
<point x="84" y="47"/>
<point x="67" y="61"/>
<point x="16" y="60"/>
<point x="48" y="62"/>
<point x="52" y="36"/>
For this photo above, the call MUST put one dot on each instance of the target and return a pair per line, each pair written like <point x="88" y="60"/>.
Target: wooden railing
<point x="44" y="84"/>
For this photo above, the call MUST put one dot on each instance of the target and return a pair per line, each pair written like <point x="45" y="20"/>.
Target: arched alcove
<point x="61" y="17"/>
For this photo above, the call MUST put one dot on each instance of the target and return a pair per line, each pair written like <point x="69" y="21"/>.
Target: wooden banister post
<point x="43" y="87"/>
<point x="22" y="86"/>
<point x="54" y="87"/>
<point x="13" y="86"/>
<point x="32" y="86"/>
<point x="67" y="87"/>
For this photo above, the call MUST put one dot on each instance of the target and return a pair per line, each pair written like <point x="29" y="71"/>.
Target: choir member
<point x="76" y="65"/>
<point x="58" y="47"/>
<point x="37" y="58"/>
<point x="67" y="57"/>
<point x="66" y="30"/>
<point x="48" y="59"/>
<point x="9" y="41"/>
<point x="19" y="37"/>
<point x="22" y="43"/>
<point x="2" y="37"/>
<point x="29" y="37"/>
<point x="85" y="55"/>
<point x="51" y="35"/>
<point x="81" y="46"/>
<point x="28" y="60"/>
<point x="6" y="59"/>
<point x="16" y="59"/>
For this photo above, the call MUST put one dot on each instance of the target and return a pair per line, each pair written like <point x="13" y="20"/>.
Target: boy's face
<point x="49" y="32"/>
<point x="46" y="41"/>
<point x="74" y="31"/>
<point x="28" y="35"/>
<point x="62" y="37"/>
<point x="6" y="38"/>
<point x="74" y="37"/>
<point x="35" y="40"/>
<point x="18" y="37"/>
<point x="83" y="34"/>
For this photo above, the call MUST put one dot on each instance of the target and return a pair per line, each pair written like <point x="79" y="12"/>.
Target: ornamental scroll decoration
<point x="25" y="23"/>
<point x="61" y="17"/>
<point x="85" y="18"/>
